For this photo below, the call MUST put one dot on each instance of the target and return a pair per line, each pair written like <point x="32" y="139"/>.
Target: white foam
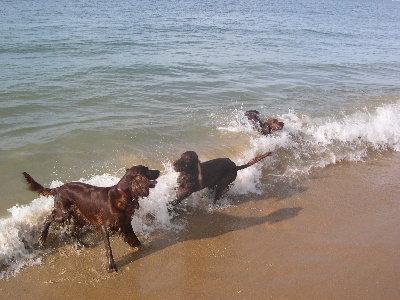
<point x="19" y="233"/>
<point x="156" y="205"/>
<point x="306" y="143"/>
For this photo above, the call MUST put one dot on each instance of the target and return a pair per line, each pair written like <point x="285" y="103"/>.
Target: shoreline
<point x="336" y="238"/>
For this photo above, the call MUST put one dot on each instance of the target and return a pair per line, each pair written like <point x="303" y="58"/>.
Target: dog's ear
<point x="194" y="158"/>
<point x="140" y="186"/>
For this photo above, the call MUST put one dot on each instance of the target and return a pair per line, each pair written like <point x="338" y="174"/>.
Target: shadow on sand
<point x="204" y="225"/>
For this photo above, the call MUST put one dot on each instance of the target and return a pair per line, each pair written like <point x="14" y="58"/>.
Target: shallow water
<point x="333" y="238"/>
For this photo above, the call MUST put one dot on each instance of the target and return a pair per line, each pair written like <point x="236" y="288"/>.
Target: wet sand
<point x="335" y="237"/>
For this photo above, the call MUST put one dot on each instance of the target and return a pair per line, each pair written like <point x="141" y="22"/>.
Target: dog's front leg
<point x="184" y="191"/>
<point x="180" y="197"/>
<point x="106" y="237"/>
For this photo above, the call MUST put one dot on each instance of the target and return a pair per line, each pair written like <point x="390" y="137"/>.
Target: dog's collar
<point x="122" y="192"/>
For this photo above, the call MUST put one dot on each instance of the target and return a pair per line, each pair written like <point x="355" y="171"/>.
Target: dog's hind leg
<point x="220" y="190"/>
<point x="59" y="215"/>
<point x="43" y="236"/>
<point x="223" y="187"/>
<point x="47" y="222"/>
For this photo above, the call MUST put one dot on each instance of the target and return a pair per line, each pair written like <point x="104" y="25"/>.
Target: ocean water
<point x="90" y="87"/>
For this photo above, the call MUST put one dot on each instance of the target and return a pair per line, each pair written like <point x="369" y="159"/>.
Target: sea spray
<point x="306" y="143"/>
<point x="156" y="205"/>
<point x="19" y="234"/>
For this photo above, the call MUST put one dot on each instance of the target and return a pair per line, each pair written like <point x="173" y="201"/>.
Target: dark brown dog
<point x="266" y="127"/>
<point x="217" y="173"/>
<point x="110" y="209"/>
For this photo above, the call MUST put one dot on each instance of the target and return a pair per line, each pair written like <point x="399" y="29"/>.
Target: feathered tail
<point x="36" y="187"/>
<point x="253" y="161"/>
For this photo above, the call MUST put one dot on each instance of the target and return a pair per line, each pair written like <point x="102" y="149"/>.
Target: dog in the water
<point x="217" y="173"/>
<point x="266" y="127"/>
<point x="110" y="209"/>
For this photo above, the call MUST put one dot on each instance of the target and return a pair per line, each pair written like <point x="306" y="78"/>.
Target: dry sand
<point x="335" y="237"/>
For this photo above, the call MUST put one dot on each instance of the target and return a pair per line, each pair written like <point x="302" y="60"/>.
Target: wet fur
<point x="267" y="127"/>
<point x="110" y="209"/>
<point x="217" y="173"/>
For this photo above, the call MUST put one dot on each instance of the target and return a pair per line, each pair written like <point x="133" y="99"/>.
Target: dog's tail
<point x="36" y="187"/>
<point x="253" y="161"/>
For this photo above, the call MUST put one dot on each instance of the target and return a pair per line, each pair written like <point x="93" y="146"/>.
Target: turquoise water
<point x="89" y="87"/>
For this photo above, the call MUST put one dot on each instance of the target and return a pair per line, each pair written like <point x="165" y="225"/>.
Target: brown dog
<point x="217" y="173"/>
<point x="108" y="208"/>
<point x="266" y="127"/>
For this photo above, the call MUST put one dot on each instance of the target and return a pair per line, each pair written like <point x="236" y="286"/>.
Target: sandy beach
<point x="335" y="237"/>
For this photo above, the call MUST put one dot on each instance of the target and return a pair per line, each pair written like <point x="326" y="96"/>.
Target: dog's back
<point x="87" y="199"/>
<point x="91" y="201"/>
<point x="214" y="170"/>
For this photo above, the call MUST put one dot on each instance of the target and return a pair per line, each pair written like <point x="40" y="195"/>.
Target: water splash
<point x="305" y="143"/>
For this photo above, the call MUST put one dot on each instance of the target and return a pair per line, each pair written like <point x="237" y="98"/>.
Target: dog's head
<point x="138" y="180"/>
<point x="272" y="125"/>
<point x="140" y="186"/>
<point x="144" y="171"/>
<point x="188" y="161"/>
